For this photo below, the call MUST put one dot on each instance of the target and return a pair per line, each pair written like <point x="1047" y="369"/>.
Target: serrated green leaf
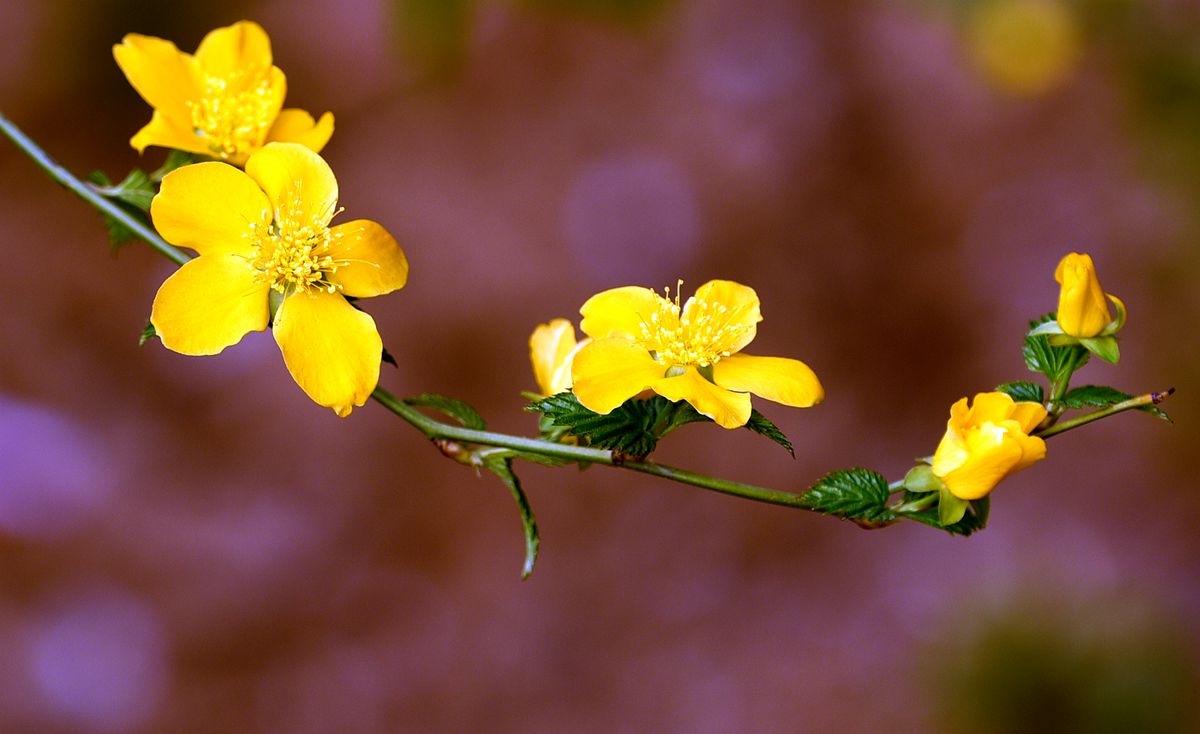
<point x="136" y="189"/>
<point x="148" y="333"/>
<point x="851" y="494"/>
<point x="501" y="466"/>
<point x="973" y="521"/>
<point x="629" y="429"/>
<point x="1102" y="396"/>
<point x="132" y="195"/>
<point x="452" y="407"/>
<point x="761" y="425"/>
<point x="1053" y="362"/>
<point x="1023" y="391"/>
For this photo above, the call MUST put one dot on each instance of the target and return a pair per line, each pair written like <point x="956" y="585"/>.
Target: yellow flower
<point x="986" y="442"/>
<point x="1082" y="303"/>
<point x="1024" y="47"/>
<point x="224" y="102"/>
<point x="266" y="248"/>
<point x="552" y="348"/>
<point x="643" y="341"/>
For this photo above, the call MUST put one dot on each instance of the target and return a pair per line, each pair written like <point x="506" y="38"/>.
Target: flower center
<point x="699" y="333"/>
<point x="292" y="252"/>
<point x="233" y="117"/>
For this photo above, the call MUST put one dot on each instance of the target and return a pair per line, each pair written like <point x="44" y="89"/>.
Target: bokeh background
<point x="190" y="545"/>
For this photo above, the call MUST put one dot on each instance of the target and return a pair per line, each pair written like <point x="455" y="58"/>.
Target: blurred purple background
<point x="190" y="545"/>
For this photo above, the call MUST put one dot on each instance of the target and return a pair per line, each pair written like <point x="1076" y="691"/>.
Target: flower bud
<point x="1082" y="304"/>
<point x="987" y="441"/>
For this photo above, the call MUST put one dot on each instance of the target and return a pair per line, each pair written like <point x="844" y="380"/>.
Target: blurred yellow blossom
<point x="644" y="341"/>
<point x="1023" y="46"/>
<point x="225" y="101"/>
<point x="987" y="441"/>
<point x="267" y="250"/>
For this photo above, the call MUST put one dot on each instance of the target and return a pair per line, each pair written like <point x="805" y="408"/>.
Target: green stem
<point x="436" y="430"/>
<point x="1141" y="401"/>
<point x="87" y="193"/>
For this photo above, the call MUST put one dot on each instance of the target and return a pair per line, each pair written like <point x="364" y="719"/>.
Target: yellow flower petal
<point x="376" y="263"/>
<point x="161" y="131"/>
<point x="607" y="372"/>
<point x="295" y="179"/>
<point x="619" y="312"/>
<point x="208" y="207"/>
<point x="992" y="455"/>
<point x="741" y="302"/>
<point x="297" y="126"/>
<point x="161" y="74"/>
<point x="1033" y="449"/>
<point x="787" y="381"/>
<point x="549" y="346"/>
<point x="990" y="406"/>
<point x="331" y="348"/>
<point x="729" y="409"/>
<point x="208" y="304"/>
<point x="1028" y="415"/>
<point x="235" y="50"/>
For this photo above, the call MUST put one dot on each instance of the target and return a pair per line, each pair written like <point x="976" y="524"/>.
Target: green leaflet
<point x="452" y="407"/>
<point x="634" y="428"/>
<point x="1054" y="362"/>
<point x="851" y="494"/>
<point x="1102" y="396"/>
<point x="133" y="194"/>
<point x="1023" y="391"/>
<point x="501" y="465"/>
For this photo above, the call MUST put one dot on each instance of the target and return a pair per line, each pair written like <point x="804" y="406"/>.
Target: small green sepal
<point x="950" y="508"/>
<point x="1104" y="347"/>
<point x="921" y="479"/>
<point x="148" y="333"/>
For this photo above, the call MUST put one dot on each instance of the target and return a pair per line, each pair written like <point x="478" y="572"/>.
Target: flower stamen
<point x="234" y="116"/>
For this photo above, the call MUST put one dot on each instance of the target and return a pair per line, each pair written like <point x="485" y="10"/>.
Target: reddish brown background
<point x="190" y="545"/>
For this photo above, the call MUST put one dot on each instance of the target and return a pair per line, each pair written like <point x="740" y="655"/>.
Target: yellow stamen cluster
<point x="291" y="253"/>
<point x="698" y="333"/>
<point x="233" y="117"/>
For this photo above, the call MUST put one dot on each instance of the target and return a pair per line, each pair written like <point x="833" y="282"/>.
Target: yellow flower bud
<point x="987" y="441"/>
<point x="552" y="348"/>
<point x="1082" y="304"/>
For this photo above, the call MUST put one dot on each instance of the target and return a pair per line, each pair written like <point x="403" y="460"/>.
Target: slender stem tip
<point x="1158" y="397"/>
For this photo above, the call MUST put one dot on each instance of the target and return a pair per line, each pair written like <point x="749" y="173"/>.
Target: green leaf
<point x="851" y="494"/>
<point x="452" y="407"/>
<point x="501" y="466"/>
<point x="635" y="427"/>
<point x="1054" y="362"/>
<point x="148" y="333"/>
<point x="136" y="189"/>
<point x="175" y="159"/>
<point x="759" y="424"/>
<point x="974" y="520"/>
<point x="1101" y="396"/>
<point x="1023" y="391"/>
<point x="133" y="195"/>
<point x="630" y="429"/>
